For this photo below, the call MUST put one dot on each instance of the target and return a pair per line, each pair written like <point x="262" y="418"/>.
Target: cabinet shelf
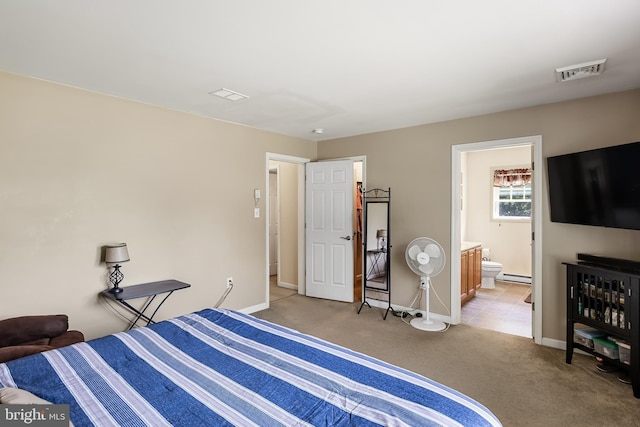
<point x="611" y="330"/>
<point x="609" y="360"/>
<point x="606" y="299"/>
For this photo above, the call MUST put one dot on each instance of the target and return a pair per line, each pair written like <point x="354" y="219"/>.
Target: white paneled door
<point x="329" y="230"/>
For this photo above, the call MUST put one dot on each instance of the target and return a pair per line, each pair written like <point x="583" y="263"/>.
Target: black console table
<point x="604" y="293"/>
<point x="151" y="290"/>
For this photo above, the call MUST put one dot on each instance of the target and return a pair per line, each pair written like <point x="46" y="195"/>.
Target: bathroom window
<point x="512" y="194"/>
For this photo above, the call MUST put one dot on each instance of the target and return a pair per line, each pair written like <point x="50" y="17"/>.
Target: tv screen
<point x="597" y="187"/>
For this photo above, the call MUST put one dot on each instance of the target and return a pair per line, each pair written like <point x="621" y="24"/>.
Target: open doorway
<point x="496" y="225"/>
<point x="284" y="226"/>
<point x="462" y="208"/>
<point x="283" y="229"/>
<point x="287" y="170"/>
<point x="285" y="216"/>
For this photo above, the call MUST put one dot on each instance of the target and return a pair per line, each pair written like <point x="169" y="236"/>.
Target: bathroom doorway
<point x="499" y="304"/>
<point x="509" y="306"/>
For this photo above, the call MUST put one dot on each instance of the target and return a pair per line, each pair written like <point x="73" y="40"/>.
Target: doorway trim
<point x="274" y="170"/>
<point x="535" y="142"/>
<point x="301" y="214"/>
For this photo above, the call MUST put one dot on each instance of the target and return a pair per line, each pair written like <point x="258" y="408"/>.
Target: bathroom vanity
<point x="470" y="270"/>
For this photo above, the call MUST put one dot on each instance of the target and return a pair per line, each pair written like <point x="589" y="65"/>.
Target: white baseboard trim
<point x="254" y="308"/>
<point x="396" y="307"/>
<point x="562" y="345"/>
<point x="548" y="342"/>
<point x="287" y="285"/>
<point x="516" y="278"/>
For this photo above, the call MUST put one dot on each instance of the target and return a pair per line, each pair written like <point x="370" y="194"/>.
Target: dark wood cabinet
<point x="605" y="297"/>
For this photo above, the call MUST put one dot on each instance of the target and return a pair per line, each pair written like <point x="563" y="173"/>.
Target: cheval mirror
<point x="376" y="265"/>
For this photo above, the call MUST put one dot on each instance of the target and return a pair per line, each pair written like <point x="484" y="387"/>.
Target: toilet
<point x="490" y="270"/>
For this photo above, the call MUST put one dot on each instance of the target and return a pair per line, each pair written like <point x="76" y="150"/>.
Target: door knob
<point x="346" y="237"/>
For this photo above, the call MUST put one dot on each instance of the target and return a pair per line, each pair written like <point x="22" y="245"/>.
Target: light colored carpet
<point x="276" y="292"/>
<point x="522" y="383"/>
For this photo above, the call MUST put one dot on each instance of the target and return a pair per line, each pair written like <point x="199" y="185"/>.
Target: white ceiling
<point x="347" y="66"/>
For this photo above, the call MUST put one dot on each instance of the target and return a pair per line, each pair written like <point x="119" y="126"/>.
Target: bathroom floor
<point x="502" y="309"/>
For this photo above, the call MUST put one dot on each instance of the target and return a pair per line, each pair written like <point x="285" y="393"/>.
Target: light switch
<point x="256" y="194"/>
<point x="256" y="212"/>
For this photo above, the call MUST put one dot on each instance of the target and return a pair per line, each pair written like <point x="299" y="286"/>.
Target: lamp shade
<point x="116" y="253"/>
<point x="381" y="233"/>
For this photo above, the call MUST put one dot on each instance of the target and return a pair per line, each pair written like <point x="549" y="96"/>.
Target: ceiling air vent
<point x="228" y="94"/>
<point x="580" y="71"/>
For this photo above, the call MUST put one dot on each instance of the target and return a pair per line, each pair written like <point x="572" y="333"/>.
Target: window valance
<point x="511" y="177"/>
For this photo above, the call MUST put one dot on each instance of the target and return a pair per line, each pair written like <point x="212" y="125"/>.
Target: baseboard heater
<point x="518" y="278"/>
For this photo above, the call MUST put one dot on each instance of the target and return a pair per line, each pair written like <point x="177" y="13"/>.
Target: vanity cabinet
<point x="470" y="271"/>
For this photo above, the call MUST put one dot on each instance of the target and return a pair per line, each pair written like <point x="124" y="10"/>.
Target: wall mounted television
<point x="598" y="187"/>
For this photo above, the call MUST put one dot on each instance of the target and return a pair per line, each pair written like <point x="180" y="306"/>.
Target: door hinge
<point x="533" y="306"/>
<point x="533" y="236"/>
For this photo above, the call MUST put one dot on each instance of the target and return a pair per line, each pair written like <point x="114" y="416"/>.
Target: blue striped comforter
<point x="220" y="367"/>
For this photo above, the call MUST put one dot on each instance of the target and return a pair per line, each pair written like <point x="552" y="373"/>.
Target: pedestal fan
<point x="426" y="258"/>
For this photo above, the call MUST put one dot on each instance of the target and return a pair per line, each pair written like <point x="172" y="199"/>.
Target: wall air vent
<point x="580" y="71"/>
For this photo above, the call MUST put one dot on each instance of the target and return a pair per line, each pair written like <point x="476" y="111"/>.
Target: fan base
<point x="428" y="325"/>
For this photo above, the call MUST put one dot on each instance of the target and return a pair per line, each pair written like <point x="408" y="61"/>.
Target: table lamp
<point x="116" y="254"/>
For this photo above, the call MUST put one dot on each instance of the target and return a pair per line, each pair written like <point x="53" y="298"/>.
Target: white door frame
<point x="274" y="170"/>
<point x="536" y="277"/>
<point x="301" y="258"/>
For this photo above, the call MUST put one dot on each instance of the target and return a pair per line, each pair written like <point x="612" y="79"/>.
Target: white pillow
<point x="18" y="396"/>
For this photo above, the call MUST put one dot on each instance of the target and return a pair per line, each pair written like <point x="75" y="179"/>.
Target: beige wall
<point x="79" y="170"/>
<point x="416" y="163"/>
<point x="509" y="241"/>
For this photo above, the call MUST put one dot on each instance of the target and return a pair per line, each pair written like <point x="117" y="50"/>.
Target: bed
<point x="220" y="367"/>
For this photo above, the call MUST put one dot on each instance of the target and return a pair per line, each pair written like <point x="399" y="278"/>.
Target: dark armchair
<point x="22" y="336"/>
